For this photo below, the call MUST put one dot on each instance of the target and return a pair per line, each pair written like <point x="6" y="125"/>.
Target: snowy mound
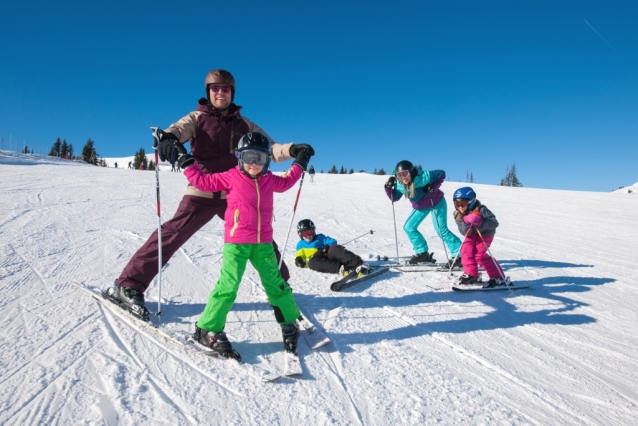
<point x="405" y="349"/>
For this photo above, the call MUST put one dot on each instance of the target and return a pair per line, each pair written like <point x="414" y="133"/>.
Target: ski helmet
<point x="305" y="225"/>
<point x="219" y="76"/>
<point x="253" y="141"/>
<point x="466" y="193"/>
<point x="405" y="165"/>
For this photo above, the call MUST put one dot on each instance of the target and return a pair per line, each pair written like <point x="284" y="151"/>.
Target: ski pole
<point x="500" y="270"/>
<point x="294" y="209"/>
<point x="396" y="238"/>
<point x="459" y="253"/>
<point x="360" y="236"/>
<point x="156" y="139"/>
<point x="436" y="219"/>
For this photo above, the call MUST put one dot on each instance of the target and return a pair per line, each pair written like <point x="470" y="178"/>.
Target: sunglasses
<point x="403" y="174"/>
<point x="307" y="233"/>
<point x="250" y="156"/>
<point x="460" y="203"/>
<point x="216" y="88"/>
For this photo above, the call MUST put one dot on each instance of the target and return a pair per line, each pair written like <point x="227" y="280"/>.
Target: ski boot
<point x="217" y="342"/>
<point x="422" y="258"/>
<point x="344" y="272"/>
<point x="290" y="334"/>
<point x="469" y="279"/>
<point x="457" y="263"/>
<point x="497" y="282"/>
<point x="362" y="270"/>
<point x="128" y="299"/>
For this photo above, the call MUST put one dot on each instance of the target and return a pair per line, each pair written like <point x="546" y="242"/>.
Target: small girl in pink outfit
<point x="248" y="237"/>
<point x="478" y="224"/>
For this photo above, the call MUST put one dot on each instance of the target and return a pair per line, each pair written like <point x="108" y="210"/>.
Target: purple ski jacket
<point x="248" y="217"/>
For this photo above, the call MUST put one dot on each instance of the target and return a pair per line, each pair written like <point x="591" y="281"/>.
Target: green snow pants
<point x="221" y="299"/>
<point x="439" y="217"/>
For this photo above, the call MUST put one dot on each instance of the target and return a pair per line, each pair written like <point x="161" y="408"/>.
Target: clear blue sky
<point x="460" y="86"/>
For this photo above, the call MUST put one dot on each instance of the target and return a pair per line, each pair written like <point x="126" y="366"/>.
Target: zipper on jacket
<point x="258" y="213"/>
<point x="235" y="223"/>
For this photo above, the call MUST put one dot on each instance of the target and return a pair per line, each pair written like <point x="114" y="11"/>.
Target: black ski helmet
<point x="220" y="76"/>
<point x="466" y="193"/>
<point x="305" y="225"/>
<point x="405" y="165"/>
<point x="256" y="141"/>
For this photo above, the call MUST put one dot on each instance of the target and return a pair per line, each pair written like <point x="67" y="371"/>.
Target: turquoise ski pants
<point x="221" y="299"/>
<point x="439" y="217"/>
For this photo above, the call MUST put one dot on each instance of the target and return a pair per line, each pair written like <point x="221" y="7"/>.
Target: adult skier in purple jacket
<point x="213" y="130"/>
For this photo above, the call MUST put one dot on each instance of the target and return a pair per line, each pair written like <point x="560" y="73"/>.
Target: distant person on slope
<point x="473" y="217"/>
<point x="421" y="187"/>
<point x="311" y="172"/>
<point x="213" y="130"/>
<point x="322" y="253"/>
<point x="248" y="236"/>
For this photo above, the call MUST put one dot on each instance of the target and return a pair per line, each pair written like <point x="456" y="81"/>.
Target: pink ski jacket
<point x="248" y="217"/>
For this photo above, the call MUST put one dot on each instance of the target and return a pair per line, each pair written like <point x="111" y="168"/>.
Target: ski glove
<point x="428" y="188"/>
<point x="391" y="182"/>
<point x="303" y="157"/>
<point x="185" y="160"/>
<point x="473" y="219"/>
<point x="299" y="262"/>
<point x="295" y="148"/>
<point x="170" y="148"/>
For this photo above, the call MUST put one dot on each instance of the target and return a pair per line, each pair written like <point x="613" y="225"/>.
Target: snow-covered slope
<point x="563" y="352"/>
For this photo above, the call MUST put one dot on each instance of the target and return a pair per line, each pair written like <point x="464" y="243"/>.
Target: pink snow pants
<point x="474" y="253"/>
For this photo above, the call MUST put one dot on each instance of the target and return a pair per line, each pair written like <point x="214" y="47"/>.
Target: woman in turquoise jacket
<point x="421" y="187"/>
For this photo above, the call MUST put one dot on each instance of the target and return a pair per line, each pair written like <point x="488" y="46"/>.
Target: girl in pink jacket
<point x="248" y="236"/>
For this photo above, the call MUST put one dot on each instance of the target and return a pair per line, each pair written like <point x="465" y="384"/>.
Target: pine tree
<point x="151" y="165"/>
<point x="70" y="150"/>
<point x="342" y="171"/>
<point x="333" y="170"/>
<point x="89" y="155"/>
<point x="375" y="171"/>
<point x="351" y="171"/>
<point x="381" y="172"/>
<point x="510" y="178"/>
<point x="55" y="149"/>
<point x="471" y="177"/>
<point x="64" y="149"/>
<point x="140" y="158"/>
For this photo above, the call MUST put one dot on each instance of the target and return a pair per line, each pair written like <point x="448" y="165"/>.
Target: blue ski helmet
<point x="253" y="141"/>
<point x="466" y="193"/>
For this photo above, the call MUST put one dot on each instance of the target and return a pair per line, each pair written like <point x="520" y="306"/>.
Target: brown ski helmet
<point x="219" y="76"/>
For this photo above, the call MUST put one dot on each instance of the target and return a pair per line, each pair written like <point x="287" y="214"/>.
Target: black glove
<point x="185" y="160"/>
<point x="391" y="182"/>
<point x="302" y="158"/>
<point x="170" y="148"/>
<point x="428" y="188"/>
<point x="295" y="148"/>
<point x="299" y="262"/>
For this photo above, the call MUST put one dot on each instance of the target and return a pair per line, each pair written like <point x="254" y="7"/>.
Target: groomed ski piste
<point x="564" y="351"/>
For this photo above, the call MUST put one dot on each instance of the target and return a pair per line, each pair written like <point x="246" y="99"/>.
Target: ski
<point x="348" y="282"/>
<point x="292" y="364"/>
<point x="314" y="337"/>
<point x="147" y="327"/>
<point x="470" y="287"/>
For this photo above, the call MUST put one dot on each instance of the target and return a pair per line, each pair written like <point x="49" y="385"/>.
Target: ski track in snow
<point x="562" y="352"/>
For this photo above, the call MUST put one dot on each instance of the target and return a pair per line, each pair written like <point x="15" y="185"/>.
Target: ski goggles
<point x="460" y="202"/>
<point x="403" y="174"/>
<point x="250" y="156"/>
<point x="216" y="88"/>
<point x="307" y="233"/>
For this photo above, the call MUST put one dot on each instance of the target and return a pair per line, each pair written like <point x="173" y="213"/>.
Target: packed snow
<point x="405" y="348"/>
